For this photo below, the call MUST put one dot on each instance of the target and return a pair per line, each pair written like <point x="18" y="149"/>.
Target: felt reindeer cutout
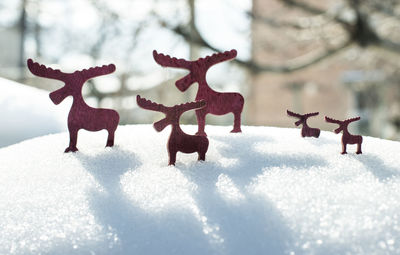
<point x="347" y="138"/>
<point x="81" y="116"/>
<point x="178" y="140"/>
<point x="217" y="103"/>
<point x="306" y="131"/>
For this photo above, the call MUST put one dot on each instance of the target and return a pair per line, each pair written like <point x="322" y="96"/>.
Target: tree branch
<point x="304" y="6"/>
<point x="273" y="22"/>
<point x="361" y="32"/>
<point x="251" y="64"/>
<point x="315" y="11"/>
<point x="388" y="45"/>
<point x="386" y="10"/>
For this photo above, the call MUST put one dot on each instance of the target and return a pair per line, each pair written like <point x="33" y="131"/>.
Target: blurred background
<point x="338" y="57"/>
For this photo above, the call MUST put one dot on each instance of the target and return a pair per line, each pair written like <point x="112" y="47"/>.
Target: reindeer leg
<point x="344" y="148"/>
<point x="73" y="138"/>
<point x="359" y="148"/>
<point x="110" y="139"/>
<point x="317" y="132"/>
<point x="202" y="156"/>
<point x="203" y="147"/>
<point x="303" y="132"/>
<point x="236" y="122"/>
<point x="172" y="157"/>
<point x="201" y="122"/>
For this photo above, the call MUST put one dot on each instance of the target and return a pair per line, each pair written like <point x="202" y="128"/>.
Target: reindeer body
<point x="178" y="140"/>
<point x="81" y="116"/>
<point x="310" y="132"/>
<point x="306" y="131"/>
<point x="347" y="138"/>
<point x="217" y="103"/>
<point x="182" y="142"/>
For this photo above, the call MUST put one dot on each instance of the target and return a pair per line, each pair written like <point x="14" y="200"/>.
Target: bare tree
<point x="358" y="22"/>
<point x="304" y="33"/>
<point x="312" y="32"/>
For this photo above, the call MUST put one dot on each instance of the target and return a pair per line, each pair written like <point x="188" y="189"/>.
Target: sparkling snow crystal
<point x="266" y="191"/>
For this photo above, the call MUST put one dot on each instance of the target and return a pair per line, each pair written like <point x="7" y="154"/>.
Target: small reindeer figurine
<point x="306" y="131"/>
<point x="347" y="138"/>
<point x="217" y="103"/>
<point x="81" y="116"/>
<point x="178" y="140"/>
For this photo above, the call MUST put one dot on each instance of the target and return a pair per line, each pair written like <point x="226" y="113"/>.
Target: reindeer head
<point x="73" y="82"/>
<point x="342" y="124"/>
<point x="302" y="117"/>
<point x="197" y="69"/>
<point x="338" y="130"/>
<point x="172" y="114"/>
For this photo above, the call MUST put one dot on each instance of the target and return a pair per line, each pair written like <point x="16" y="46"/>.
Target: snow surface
<point x="27" y="112"/>
<point x="266" y="191"/>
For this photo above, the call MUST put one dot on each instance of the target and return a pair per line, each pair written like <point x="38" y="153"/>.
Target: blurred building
<point x="340" y="86"/>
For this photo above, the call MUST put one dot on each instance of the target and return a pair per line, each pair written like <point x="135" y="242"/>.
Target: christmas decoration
<point x="217" y="103"/>
<point x="178" y="140"/>
<point x="81" y="116"/>
<point x="347" y="138"/>
<point x="306" y="131"/>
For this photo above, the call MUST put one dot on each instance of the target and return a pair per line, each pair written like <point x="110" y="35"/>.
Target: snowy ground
<point x="27" y="112"/>
<point x="266" y="191"/>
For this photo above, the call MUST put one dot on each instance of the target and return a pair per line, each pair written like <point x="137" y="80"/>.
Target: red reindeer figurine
<point x="347" y="138"/>
<point x="178" y="140"/>
<point x="306" y="131"/>
<point x="81" y="116"/>
<point x="217" y="103"/>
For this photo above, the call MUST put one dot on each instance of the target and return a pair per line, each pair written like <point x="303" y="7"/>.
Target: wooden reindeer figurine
<point x="81" y="116"/>
<point x="178" y="140"/>
<point x="306" y="131"/>
<point x="347" y="138"/>
<point x="217" y="103"/>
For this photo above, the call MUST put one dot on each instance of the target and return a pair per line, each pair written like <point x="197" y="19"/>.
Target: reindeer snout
<point x="161" y="124"/>
<point x="54" y="98"/>
<point x="57" y="96"/>
<point x="184" y="83"/>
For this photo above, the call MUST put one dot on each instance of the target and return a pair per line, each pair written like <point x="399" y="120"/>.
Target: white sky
<point x="223" y="24"/>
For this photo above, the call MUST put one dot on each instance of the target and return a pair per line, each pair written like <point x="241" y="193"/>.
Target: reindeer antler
<point x="292" y="114"/>
<point x="302" y="117"/>
<point x="168" y="61"/>
<point x="192" y="105"/>
<point x="97" y="71"/>
<point x="220" y="57"/>
<point x="330" y="120"/>
<point x="312" y="114"/>
<point x="352" y="119"/>
<point x="297" y="115"/>
<point x="46" y="72"/>
<point x="149" y="105"/>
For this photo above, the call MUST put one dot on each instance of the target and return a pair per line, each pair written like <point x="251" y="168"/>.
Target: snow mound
<point x="27" y="112"/>
<point x="266" y="191"/>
